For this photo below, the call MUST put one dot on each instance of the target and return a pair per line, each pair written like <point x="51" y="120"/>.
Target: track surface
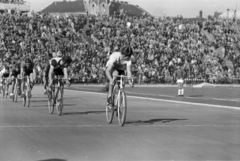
<point x="155" y="130"/>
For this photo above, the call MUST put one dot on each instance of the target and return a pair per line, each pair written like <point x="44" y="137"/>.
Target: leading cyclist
<point x="117" y="63"/>
<point x="59" y="67"/>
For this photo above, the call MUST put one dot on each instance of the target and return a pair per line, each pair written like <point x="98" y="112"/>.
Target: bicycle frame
<point x="53" y="98"/>
<point x="27" y="90"/>
<point x="119" y="102"/>
<point x="4" y="86"/>
<point x="15" y="91"/>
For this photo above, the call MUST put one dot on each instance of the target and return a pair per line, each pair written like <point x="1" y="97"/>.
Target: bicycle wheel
<point x="24" y="100"/>
<point x="15" y="94"/>
<point x="51" y="101"/>
<point x="3" y="90"/>
<point x="122" y="108"/>
<point x="28" y="97"/>
<point x="59" y="105"/>
<point x="111" y="108"/>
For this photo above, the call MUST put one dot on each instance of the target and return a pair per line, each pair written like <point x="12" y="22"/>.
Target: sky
<point x="186" y="8"/>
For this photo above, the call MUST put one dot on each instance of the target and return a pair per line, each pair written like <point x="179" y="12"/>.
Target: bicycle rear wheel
<point x="122" y="108"/>
<point x="60" y="102"/>
<point x="51" y="101"/>
<point x="111" y="108"/>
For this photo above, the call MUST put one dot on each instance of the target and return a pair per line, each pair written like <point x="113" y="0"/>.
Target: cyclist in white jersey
<point x="118" y="62"/>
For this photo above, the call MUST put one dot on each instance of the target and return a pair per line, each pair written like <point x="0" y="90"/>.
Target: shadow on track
<point x="196" y="96"/>
<point x="84" y="113"/>
<point x="53" y="160"/>
<point x="152" y="121"/>
<point x="39" y="100"/>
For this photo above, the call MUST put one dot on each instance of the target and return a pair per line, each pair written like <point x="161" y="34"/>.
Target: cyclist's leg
<point x="109" y="98"/>
<point x="31" y="83"/>
<point x="45" y="79"/>
<point x="13" y="84"/>
<point x="6" y="85"/>
<point x="22" y="84"/>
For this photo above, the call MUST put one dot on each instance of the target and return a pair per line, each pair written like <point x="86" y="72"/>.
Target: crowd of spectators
<point x="208" y="49"/>
<point x="20" y="2"/>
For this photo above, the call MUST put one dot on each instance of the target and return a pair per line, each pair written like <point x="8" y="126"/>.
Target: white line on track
<point x="171" y="101"/>
<point x="116" y="125"/>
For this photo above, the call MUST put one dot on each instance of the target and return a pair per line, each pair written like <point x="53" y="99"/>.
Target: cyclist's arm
<point x="34" y="74"/>
<point x="129" y="71"/>
<point x="65" y="72"/>
<point x="22" y="72"/>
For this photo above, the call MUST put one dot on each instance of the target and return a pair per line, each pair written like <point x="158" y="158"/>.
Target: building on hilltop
<point x="65" y="8"/>
<point x="94" y="7"/>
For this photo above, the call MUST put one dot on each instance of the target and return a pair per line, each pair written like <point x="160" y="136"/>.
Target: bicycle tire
<point x="24" y="100"/>
<point x="3" y="91"/>
<point x="122" y="108"/>
<point x="50" y="101"/>
<point x="28" y="98"/>
<point x="60" y="102"/>
<point x="15" y="94"/>
<point x="110" y="110"/>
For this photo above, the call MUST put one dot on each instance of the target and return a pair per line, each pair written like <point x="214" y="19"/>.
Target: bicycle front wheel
<point x="60" y="102"/>
<point x="122" y="108"/>
<point x="15" y="94"/>
<point x="3" y="90"/>
<point x="24" y="100"/>
<point x="111" y="108"/>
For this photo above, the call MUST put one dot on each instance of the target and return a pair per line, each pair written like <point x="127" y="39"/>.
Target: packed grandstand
<point x="208" y="49"/>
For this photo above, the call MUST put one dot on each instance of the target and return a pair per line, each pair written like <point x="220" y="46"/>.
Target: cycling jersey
<point x="57" y="68"/>
<point x="117" y="63"/>
<point x="4" y="73"/>
<point x="27" y="69"/>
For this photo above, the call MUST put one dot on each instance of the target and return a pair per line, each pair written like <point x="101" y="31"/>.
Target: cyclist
<point x="14" y="75"/>
<point x="46" y="71"/>
<point x="117" y="63"/>
<point x="27" y="69"/>
<point x="59" y="67"/>
<point x="4" y="74"/>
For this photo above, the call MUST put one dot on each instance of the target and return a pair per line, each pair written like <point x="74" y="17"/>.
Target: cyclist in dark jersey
<point x="59" y="67"/>
<point x="4" y="74"/>
<point x="27" y="69"/>
<point x="14" y="74"/>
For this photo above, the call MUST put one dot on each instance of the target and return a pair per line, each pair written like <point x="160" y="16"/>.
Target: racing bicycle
<point x="119" y="100"/>
<point x="4" y="87"/>
<point x="55" y="95"/>
<point x="15" y="92"/>
<point x="26" y="90"/>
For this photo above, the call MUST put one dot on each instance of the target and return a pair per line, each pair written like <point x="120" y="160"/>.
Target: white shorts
<point x="180" y="81"/>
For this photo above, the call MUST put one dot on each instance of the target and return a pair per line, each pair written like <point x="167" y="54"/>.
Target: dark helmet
<point x="67" y="59"/>
<point x="28" y="61"/>
<point x="126" y="51"/>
